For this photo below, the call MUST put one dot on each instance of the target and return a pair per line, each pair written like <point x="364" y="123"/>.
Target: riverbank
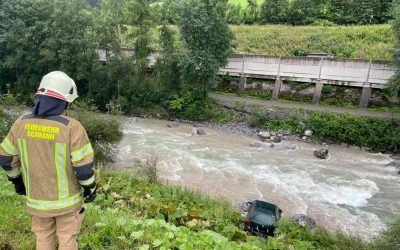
<point x="130" y="213"/>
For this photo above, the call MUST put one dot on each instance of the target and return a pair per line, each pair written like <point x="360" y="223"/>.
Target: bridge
<point x="320" y="70"/>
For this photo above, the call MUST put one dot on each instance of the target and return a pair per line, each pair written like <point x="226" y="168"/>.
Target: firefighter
<point x="49" y="159"/>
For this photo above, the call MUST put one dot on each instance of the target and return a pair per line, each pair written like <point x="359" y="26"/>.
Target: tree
<point x="394" y="87"/>
<point x="43" y="36"/>
<point x="251" y="13"/>
<point x="207" y="40"/>
<point x="110" y="24"/>
<point x="306" y="11"/>
<point x="234" y="14"/>
<point x="275" y="11"/>
<point x="360" y="11"/>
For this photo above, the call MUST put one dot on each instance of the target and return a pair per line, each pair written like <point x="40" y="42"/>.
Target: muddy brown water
<point x="352" y="191"/>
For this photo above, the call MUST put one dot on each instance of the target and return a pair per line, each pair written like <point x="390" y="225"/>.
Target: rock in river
<point x="173" y="125"/>
<point x="321" y="153"/>
<point x="201" y="131"/>
<point x="277" y="139"/>
<point x="308" y="133"/>
<point x="392" y="164"/>
<point x="264" y="135"/>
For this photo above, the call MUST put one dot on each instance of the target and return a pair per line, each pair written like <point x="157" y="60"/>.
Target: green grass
<point x="366" y="42"/>
<point x="132" y="214"/>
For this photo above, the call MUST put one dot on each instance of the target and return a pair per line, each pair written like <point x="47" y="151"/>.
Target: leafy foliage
<point x="378" y="134"/>
<point x="104" y="131"/>
<point x="207" y="40"/>
<point x="43" y="36"/>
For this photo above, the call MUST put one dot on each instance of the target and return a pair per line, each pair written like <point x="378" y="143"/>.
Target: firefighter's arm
<point x="82" y="157"/>
<point x="9" y="161"/>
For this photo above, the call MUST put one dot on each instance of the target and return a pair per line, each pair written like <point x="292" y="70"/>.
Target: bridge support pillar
<point x="242" y="84"/>
<point x="317" y="93"/>
<point x="277" y="89"/>
<point x="365" y="96"/>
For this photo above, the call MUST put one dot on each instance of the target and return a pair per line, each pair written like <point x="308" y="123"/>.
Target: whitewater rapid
<point x="352" y="191"/>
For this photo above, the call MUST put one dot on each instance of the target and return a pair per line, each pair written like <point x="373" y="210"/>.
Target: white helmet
<point x="59" y="85"/>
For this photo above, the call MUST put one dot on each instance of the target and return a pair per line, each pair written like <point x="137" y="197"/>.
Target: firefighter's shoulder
<point x="74" y="124"/>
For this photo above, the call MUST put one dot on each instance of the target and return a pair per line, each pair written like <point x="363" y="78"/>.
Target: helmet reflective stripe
<point x="52" y="205"/>
<point x="59" y="85"/>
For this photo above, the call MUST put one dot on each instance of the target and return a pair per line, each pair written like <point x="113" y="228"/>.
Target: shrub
<point x="104" y="131"/>
<point x="376" y="133"/>
<point x="380" y="134"/>
<point x="389" y="239"/>
<point x="147" y="168"/>
<point x="6" y="121"/>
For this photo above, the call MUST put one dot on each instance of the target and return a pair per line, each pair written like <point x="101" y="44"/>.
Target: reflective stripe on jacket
<point x="48" y="151"/>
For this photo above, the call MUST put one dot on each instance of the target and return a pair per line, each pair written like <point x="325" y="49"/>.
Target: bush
<point x="378" y="134"/>
<point x="147" y="168"/>
<point x="190" y="104"/>
<point x="6" y="121"/>
<point x="390" y="239"/>
<point x="104" y="131"/>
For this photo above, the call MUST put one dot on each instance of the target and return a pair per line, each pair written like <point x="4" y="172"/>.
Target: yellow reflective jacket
<point x="55" y="157"/>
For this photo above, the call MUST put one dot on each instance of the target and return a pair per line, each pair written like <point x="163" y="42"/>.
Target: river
<point x="352" y="191"/>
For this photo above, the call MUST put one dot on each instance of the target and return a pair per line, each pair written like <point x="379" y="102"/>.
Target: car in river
<point x="261" y="218"/>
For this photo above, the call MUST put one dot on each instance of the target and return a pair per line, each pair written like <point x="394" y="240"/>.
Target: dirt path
<point x="231" y="101"/>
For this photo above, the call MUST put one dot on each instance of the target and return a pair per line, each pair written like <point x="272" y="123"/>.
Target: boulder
<point x="272" y="145"/>
<point x="304" y="138"/>
<point x="277" y="139"/>
<point x="393" y="164"/>
<point x="201" y="131"/>
<point x="264" y="135"/>
<point x="308" y="133"/>
<point x="173" y="125"/>
<point x="304" y="220"/>
<point x="321" y="153"/>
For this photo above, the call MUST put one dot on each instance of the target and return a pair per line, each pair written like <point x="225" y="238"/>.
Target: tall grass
<point x="366" y="42"/>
